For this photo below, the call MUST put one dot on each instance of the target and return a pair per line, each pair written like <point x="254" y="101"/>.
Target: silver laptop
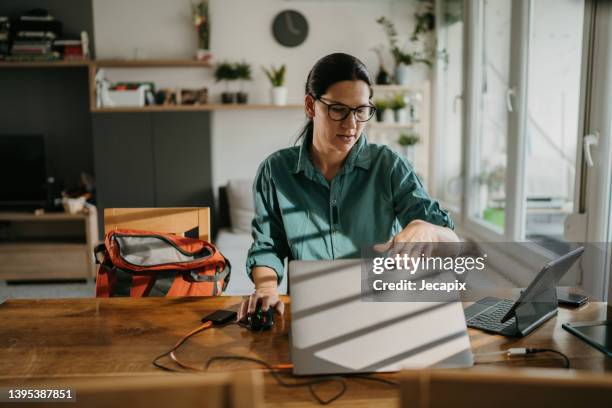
<point x="333" y="331"/>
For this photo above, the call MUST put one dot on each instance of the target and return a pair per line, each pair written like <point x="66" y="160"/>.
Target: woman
<point x="336" y="192"/>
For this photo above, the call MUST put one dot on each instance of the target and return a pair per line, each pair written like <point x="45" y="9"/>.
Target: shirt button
<point x="333" y="201"/>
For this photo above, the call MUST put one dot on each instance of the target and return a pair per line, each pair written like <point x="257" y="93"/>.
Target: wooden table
<point x="120" y="336"/>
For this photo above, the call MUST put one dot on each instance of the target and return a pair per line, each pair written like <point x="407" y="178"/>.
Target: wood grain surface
<point x="62" y="338"/>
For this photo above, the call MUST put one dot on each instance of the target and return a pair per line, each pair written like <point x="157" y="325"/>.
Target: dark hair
<point x="327" y="71"/>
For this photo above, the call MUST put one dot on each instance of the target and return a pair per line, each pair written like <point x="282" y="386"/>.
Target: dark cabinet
<point x="160" y="159"/>
<point x="182" y="159"/>
<point x="123" y="159"/>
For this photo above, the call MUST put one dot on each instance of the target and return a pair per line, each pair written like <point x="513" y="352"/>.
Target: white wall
<point x="241" y="29"/>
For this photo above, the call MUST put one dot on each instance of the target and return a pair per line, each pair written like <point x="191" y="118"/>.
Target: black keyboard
<point x="490" y="319"/>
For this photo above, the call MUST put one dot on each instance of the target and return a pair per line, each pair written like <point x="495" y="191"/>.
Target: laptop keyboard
<point x="490" y="319"/>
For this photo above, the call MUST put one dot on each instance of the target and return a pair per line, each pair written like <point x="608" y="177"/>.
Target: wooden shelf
<point x="150" y="63"/>
<point x="51" y="250"/>
<point x="196" y="108"/>
<point x="382" y="125"/>
<point x="108" y="63"/>
<point x="394" y="88"/>
<point x="26" y="216"/>
<point x="47" y="246"/>
<point x="45" y="64"/>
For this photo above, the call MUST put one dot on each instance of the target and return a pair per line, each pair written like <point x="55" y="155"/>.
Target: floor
<point x="46" y="290"/>
<point x="80" y="289"/>
<point x="85" y="289"/>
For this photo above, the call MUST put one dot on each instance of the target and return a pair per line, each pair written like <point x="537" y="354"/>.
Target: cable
<point x="282" y="382"/>
<point x="370" y="378"/>
<point x="547" y="350"/>
<point x="522" y="351"/>
<point x="273" y="369"/>
<point x="205" y="326"/>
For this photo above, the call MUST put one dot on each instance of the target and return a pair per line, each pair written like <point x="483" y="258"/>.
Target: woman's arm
<point x="269" y="247"/>
<point x="265" y="259"/>
<point x="421" y="217"/>
<point x="264" y="277"/>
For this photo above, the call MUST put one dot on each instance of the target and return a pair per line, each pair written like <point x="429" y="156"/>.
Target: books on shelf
<point x="47" y="17"/>
<point x="53" y="56"/>
<point x="69" y="48"/>
<point x="31" y="46"/>
<point x="67" y="42"/>
<point x="50" y="35"/>
<point x="36" y="36"/>
<point x="38" y="20"/>
<point x="5" y="45"/>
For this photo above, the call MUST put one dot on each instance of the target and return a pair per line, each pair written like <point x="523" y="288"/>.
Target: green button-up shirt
<point x="300" y="215"/>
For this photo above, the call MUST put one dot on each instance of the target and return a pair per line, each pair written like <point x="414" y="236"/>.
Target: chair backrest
<point x="168" y="220"/>
<point x="504" y="388"/>
<point x="211" y="390"/>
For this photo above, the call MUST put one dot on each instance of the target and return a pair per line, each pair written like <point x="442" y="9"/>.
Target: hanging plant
<point x="425" y="19"/>
<point x="399" y="56"/>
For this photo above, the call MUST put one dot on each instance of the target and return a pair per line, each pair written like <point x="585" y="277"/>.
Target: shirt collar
<point x="358" y="156"/>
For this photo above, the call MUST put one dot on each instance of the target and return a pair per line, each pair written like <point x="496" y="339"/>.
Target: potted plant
<point x="201" y="21"/>
<point x="381" y="106"/>
<point x="408" y="141"/>
<point x="277" y="79"/>
<point x="383" y="77"/>
<point x="388" y="115"/>
<point x="243" y="72"/>
<point x="226" y="72"/>
<point x="403" y="60"/>
<point x="398" y="104"/>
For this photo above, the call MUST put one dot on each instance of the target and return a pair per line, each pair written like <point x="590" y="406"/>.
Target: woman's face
<point x="338" y="136"/>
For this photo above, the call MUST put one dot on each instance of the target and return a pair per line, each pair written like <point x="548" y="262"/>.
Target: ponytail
<point x="306" y="132"/>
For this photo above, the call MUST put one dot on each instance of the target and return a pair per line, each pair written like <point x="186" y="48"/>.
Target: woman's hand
<point x="418" y="237"/>
<point x="422" y="231"/>
<point x="268" y="298"/>
<point x="266" y="292"/>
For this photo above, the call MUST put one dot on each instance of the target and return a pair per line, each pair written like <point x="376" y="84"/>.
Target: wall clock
<point x="290" y="28"/>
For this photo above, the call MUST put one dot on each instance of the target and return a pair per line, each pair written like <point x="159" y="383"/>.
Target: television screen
<point x="22" y="170"/>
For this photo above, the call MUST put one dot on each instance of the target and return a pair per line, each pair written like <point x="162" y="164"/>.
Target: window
<point x="489" y="175"/>
<point x="450" y="187"/>
<point x="535" y="75"/>
<point x="552" y="134"/>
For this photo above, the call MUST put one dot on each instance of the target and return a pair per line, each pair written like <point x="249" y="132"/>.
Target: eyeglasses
<point x="339" y="111"/>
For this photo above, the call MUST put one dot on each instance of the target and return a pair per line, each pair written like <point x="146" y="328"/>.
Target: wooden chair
<point x="177" y="221"/>
<point x="505" y="388"/>
<point x="211" y="390"/>
<point x="168" y="220"/>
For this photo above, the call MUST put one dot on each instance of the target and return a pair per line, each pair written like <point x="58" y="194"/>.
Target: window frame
<point x="468" y="224"/>
<point x="439" y="113"/>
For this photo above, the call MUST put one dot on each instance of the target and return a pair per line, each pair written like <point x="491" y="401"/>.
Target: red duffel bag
<point x="143" y="263"/>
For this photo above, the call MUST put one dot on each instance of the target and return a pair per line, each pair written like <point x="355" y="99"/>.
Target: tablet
<point x="597" y="334"/>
